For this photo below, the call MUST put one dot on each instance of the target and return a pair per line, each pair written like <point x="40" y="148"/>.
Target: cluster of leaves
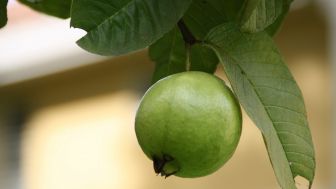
<point x="197" y="35"/>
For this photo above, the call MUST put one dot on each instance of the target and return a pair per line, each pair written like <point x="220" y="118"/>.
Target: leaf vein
<point x="279" y="90"/>
<point x="286" y="108"/>
<point x="293" y="134"/>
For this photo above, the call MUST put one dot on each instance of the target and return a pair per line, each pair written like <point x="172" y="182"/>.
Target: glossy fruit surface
<point x="189" y="124"/>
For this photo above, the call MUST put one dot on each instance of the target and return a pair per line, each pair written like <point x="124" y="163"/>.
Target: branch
<point x="188" y="37"/>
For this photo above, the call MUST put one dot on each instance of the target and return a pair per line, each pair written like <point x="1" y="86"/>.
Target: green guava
<point x="189" y="124"/>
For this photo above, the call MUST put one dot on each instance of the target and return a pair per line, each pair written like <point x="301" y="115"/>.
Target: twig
<point x="188" y="37"/>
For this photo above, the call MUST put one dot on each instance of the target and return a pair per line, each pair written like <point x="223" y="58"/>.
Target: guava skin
<point x="189" y="124"/>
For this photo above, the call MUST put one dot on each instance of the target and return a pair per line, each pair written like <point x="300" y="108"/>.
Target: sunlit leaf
<point x="269" y="94"/>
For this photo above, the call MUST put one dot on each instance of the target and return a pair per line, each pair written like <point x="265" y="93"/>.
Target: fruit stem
<point x="188" y="46"/>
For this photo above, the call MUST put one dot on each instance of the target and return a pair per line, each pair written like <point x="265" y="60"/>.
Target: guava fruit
<point x="189" y="124"/>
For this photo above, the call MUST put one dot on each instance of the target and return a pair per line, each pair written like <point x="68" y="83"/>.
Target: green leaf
<point x="169" y="54"/>
<point x="270" y="96"/>
<point x="273" y="28"/>
<point x="259" y="14"/>
<point x="3" y="13"/>
<point x="203" y="15"/>
<point x="132" y="26"/>
<point x="58" y="8"/>
<point x="88" y="14"/>
<point x="202" y="59"/>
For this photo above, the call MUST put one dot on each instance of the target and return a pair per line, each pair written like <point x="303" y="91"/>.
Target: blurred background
<point x="67" y="117"/>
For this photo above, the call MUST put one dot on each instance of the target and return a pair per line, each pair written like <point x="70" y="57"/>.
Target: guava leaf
<point x="169" y="54"/>
<point x="88" y="14"/>
<point x="203" y="15"/>
<point x="3" y="13"/>
<point x="273" y="28"/>
<point x="58" y="8"/>
<point x="202" y="58"/>
<point x="259" y="14"/>
<point x="269" y="94"/>
<point x="123" y="28"/>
